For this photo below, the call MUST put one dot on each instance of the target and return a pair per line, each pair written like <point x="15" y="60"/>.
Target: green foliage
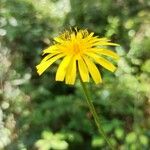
<point x="39" y="113"/>
<point x="51" y="141"/>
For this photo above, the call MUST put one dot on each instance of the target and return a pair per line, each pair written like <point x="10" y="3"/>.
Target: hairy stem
<point x="93" y="111"/>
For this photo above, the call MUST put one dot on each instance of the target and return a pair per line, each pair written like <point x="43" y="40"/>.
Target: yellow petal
<point x="61" y="71"/>
<point x="73" y="36"/>
<point x="103" y="43"/>
<point x="79" y="35"/>
<point x="93" y="70"/>
<point x="44" y="65"/>
<point x="93" y="40"/>
<point x="96" y="39"/>
<point x="51" y="49"/>
<point x="90" y="35"/>
<point x="58" y="39"/>
<point x="83" y="70"/>
<point x="71" y="72"/>
<point x="106" y="64"/>
<point x="105" y="52"/>
<point x="103" y="62"/>
<point x="48" y="57"/>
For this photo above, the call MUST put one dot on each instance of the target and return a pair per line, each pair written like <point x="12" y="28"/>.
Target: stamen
<point x="85" y="33"/>
<point x="65" y="35"/>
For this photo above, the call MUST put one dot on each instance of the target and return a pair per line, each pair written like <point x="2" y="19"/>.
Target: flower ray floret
<point x="79" y="51"/>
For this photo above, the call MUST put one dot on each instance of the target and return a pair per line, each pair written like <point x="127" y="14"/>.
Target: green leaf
<point x="98" y="142"/>
<point x="119" y="133"/>
<point x="47" y="135"/>
<point x="143" y="140"/>
<point x="131" y="137"/>
<point x="59" y="145"/>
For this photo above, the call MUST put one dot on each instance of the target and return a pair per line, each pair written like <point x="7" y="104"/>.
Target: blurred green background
<point x="37" y="113"/>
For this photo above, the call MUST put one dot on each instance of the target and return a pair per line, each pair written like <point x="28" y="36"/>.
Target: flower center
<point x="76" y="48"/>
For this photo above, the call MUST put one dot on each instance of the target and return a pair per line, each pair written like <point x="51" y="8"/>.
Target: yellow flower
<point x="79" y="51"/>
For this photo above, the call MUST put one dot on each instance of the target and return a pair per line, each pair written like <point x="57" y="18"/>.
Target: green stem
<point x="93" y="111"/>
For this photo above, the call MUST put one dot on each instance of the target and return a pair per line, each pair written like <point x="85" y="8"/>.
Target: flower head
<point x="78" y="50"/>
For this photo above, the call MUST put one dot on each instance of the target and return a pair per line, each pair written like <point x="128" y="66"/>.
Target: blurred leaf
<point x="51" y="141"/>
<point x="98" y="142"/>
<point x="119" y="132"/>
<point x="143" y="139"/>
<point x="146" y="66"/>
<point x="131" y="137"/>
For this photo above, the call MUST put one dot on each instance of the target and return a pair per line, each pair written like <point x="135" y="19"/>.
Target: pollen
<point x="76" y="48"/>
